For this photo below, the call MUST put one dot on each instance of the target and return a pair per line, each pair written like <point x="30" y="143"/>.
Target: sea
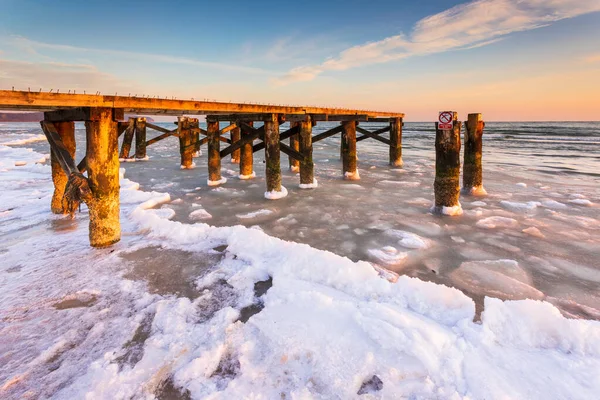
<point x="534" y="235"/>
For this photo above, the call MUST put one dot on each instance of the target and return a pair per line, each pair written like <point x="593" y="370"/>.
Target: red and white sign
<point x="446" y="120"/>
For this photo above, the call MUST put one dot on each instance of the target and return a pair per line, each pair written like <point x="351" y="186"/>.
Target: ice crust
<point x="328" y="323"/>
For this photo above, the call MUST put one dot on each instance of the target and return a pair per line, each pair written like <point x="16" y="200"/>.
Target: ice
<point x="476" y="191"/>
<point x="450" y="211"/>
<point x="23" y="138"/>
<point x="254" y="214"/>
<point x="581" y="202"/>
<point x="75" y="325"/>
<point x="388" y="256"/>
<point x="497" y="222"/>
<point x="520" y="207"/>
<point x="221" y="181"/>
<point x="408" y="239"/>
<point x="479" y="203"/>
<point x="353" y="176"/>
<point x="312" y="185"/>
<point x="192" y="166"/>
<point x="200" y="214"/>
<point x="533" y="231"/>
<point x="276" y="194"/>
<point x="553" y="204"/>
<point x="521" y="184"/>
<point x="246" y="177"/>
<point x="400" y="183"/>
<point x="499" y="278"/>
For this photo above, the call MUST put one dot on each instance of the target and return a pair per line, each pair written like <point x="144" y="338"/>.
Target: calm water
<point x="538" y="175"/>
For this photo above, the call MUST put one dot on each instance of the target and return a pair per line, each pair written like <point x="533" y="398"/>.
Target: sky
<point x="512" y="60"/>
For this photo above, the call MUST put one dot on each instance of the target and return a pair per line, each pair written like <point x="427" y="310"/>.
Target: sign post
<point x="446" y="120"/>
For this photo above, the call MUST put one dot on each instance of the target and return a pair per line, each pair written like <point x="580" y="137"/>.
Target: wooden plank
<point x="160" y="137"/>
<point x="158" y="128"/>
<point x="256" y="133"/>
<point x="326" y="134"/>
<point x="291" y="152"/>
<point x="200" y="130"/>
<point x="79" y="114"/>
<point x="225" y="140"/>
<point x="285" y="135"/>
<point x="228" y="128"/>
<point x="373" y="135"/>
<point x="21" y="100"/>
<point x="60" y="151"/>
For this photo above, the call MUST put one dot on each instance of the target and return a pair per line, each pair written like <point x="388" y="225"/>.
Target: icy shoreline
<point x="69" y="317"/>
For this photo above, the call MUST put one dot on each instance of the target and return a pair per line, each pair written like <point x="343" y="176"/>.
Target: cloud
<point x="470" y="25"/>
<point x="35" y="47"/>
<point x="52" y="75"/>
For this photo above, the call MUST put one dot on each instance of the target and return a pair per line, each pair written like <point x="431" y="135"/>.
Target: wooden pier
<point x="103" y="116"/>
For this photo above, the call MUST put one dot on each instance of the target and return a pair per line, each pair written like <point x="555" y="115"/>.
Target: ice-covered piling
<point x="349" y="158"/>
<point x="66" y="131"/>
<point x="186" y="145"/>
<point x="447" y="168"/>
<point x="472" y="170"/>
<point x="396" y="142"/>
<point x="102" y="154"/>
<point x="295" y="145"/>
<point x="214" y="146"/>
<point x="140" y="138"/>
<point x="127" y="139"/>
<point x="247" y="156"/>
<point x="306" y="149"/>
<point x="235" y="137"/>
<point x="272" y="155"/>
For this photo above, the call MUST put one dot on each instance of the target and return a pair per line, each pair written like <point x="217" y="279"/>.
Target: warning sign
<point x="446" y="120"/>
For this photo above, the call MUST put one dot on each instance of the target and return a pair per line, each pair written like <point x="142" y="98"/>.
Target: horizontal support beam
<point x="255" y="134"/>
<point x="161" y="137"/>
<point x="80" y="114"/>
<point x="158" y="128"/>
<point x="228" y="128"/>
<point x="374" y="135"/>
<point x="326" y="134"/>
<point x="291" y="152"/>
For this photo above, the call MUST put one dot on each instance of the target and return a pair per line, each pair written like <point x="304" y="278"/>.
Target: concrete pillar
<point x="272" y="160"/>
<point x="349" y="157"/>
<point x="102" y="152"/>
<point x="472" y="170"/>
<point x="235" y="137"/>
<point x="127" y="139"/>
<point x="396" y="142"/>
<point x="247" y="158"/>
<point x="186" y="145"/>
<point x="307" y="180"/>
<point x="66" y="131"/>
<point x="140" y="138"/>
<point x="447" y="169"/>
<point x="295" y="145"/>
<point x="214" y="156"/>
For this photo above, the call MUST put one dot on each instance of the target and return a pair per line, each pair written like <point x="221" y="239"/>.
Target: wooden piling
<point x="236" y="135"/>
<point x="295" y="145"/>
<point x="186" y="145"/>
<point x="272" y="159"/>
<point x="127" y="139"/>
<point x="447" y="169"/>
<point x="102" y="152"/>
<point x="214" y="158"/>
<point x="472" y="170"/>
<point x="195" y="127"/>
<point x="247" y="157"/>
<point x="140" y="138"/>
<point x="396" y="142"/>
<point x="307" y="180"/>
<point x="349" y="156"/>
<point x="66" y="131"/>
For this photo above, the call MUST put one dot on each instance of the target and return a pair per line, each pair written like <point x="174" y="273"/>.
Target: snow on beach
<point x="266" y="318"/>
